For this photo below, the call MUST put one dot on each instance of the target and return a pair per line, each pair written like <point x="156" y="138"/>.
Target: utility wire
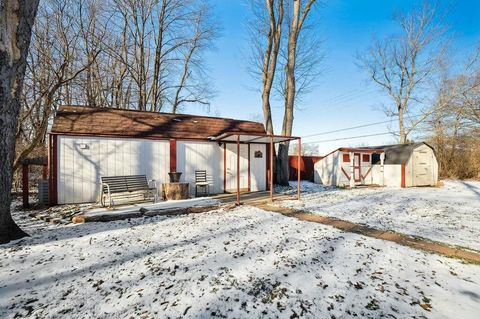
<point x="350" y="137"/>
<point x="349" y="95"/>
<point x="358" y="126"/>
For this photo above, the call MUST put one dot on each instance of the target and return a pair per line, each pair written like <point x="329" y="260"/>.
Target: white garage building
<point x="87" y="143"/>
<point x="401" y="165"/>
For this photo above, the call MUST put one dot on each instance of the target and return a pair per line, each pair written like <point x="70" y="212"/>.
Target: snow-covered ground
<point x="243" y="263"/>
<point x="449" y="214"/>
<point x="161" y="205"/>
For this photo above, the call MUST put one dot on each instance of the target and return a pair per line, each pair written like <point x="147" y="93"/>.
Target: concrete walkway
<point x="402" y="239"/>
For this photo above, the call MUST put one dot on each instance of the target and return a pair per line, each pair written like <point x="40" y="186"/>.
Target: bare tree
<point x="287" y="59"/>
<point x="52" y="65"/>
<point x="16" y="20"/>
<point x="308" y="149"/>
<point x="268" y="22"/>
<point x="296" y="22"/>
<point x="162" y="43"/>
<point x="403" y="65"/>
<point x="454" y="127"/>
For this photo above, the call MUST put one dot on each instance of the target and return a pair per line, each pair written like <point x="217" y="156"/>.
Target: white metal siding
<point x="393" y="175"/>
<point x="326" y="170"/>
<point x="231" y="157"/>
<point x="422" y="168"/>
<point x="83" y="160"/>
<point x="192" y="156"/>
<point x="258" y="168"/>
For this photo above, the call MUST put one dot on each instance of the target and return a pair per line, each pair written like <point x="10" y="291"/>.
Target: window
<point x="375" y="158"/>
<point x="366" y="158"/>
<point x="346" y="158"/>
<point x="258" y="154"/>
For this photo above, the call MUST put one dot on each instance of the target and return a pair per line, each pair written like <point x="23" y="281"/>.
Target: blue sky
<point x="343" y="97"/>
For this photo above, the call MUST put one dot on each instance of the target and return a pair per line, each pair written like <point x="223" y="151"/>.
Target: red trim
<point x="238" y="170"/>
<point x="224" y="167"/>
<point x="403" y="176"/>
<point x="271" y="169"/>
<point x="25" y="186"/>
<point x="299" y="157"/>
<point x="173" y="155"/>
<point x="345" y="173"/>
<point x="267" y="166"/>
<point x="368" y="172"/>
<point x="249" y="176"/>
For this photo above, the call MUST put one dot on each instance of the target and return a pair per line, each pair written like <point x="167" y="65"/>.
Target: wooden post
<point x="298" y="166"/>
<point x="25" y="186"/>
<point x="44" y="171"/>
<point x="249" y="169"/>
<point x="352" y="169"/>
<point x="271" y="169"/>
<point x="238" y="169"/>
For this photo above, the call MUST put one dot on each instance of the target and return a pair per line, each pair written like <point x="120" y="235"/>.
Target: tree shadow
<point x="127" y="256"/>
<point x="472" y="188"/>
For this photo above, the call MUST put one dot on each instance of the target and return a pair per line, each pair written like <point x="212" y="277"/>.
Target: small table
<point x="175" y="191"/>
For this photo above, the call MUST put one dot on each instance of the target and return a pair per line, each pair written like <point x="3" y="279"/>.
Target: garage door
<point x="422" y="168"/>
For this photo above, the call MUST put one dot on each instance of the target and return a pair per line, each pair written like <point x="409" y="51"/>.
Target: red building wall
<point x="306" y="167"/>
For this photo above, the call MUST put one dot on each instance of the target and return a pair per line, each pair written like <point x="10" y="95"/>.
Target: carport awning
<point x="245" y="138"/>
<point x="253" y="138"/>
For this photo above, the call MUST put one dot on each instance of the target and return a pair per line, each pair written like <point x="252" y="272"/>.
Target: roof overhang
<point x="253" y="138"/>
<point x="361" y="150"/>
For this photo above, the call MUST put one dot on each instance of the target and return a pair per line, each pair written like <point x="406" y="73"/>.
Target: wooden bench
<point x="127" y="186"/>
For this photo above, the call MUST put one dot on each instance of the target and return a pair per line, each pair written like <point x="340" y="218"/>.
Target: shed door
<point x="422" y="168"/>
<point x="231" y="167"/>
<point x="356" y="167"/>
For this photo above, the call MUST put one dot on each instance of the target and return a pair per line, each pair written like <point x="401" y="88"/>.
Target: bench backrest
<point x="129" y="183"/>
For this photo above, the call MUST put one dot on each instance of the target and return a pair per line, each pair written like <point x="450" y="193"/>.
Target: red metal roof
<point x="81" y="120"/>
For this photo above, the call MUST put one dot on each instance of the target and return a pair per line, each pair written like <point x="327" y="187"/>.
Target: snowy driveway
<point x="244" y="263"/>
<point x="449" y="214"/>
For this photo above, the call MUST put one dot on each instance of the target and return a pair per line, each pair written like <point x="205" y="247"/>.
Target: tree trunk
<point x="401" y="126"/>
<point x="270" y="59"/>
<point x="16" y="22"/>
<point x="290" y="90"/>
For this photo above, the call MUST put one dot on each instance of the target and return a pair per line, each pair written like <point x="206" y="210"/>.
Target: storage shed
<point x="87" y="143"/>
<point x="400" y="165"/>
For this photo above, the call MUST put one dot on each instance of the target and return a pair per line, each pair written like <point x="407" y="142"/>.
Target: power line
<point x="350" y="137"/>
<point x="349" y="95"/>
<point x="338" y="102"/>
<point x="347" y="129"/>
<point x="358" y="126"/>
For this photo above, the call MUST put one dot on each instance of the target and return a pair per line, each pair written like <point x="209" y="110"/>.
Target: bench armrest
<point x="108" y="187"/>
<point x="152" y="181"/>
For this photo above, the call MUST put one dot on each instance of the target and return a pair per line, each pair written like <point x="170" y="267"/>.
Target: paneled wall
<point x="192" y="156"/>
<point x="83" y="160"/>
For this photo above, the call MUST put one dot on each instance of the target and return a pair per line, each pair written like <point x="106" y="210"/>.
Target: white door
<point x="258" y="167"/>
<point x="231" y="167"/>
<point x="422" y="168"/>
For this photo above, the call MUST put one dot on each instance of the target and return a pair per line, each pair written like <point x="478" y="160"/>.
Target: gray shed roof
<point x="397" y="153"/>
